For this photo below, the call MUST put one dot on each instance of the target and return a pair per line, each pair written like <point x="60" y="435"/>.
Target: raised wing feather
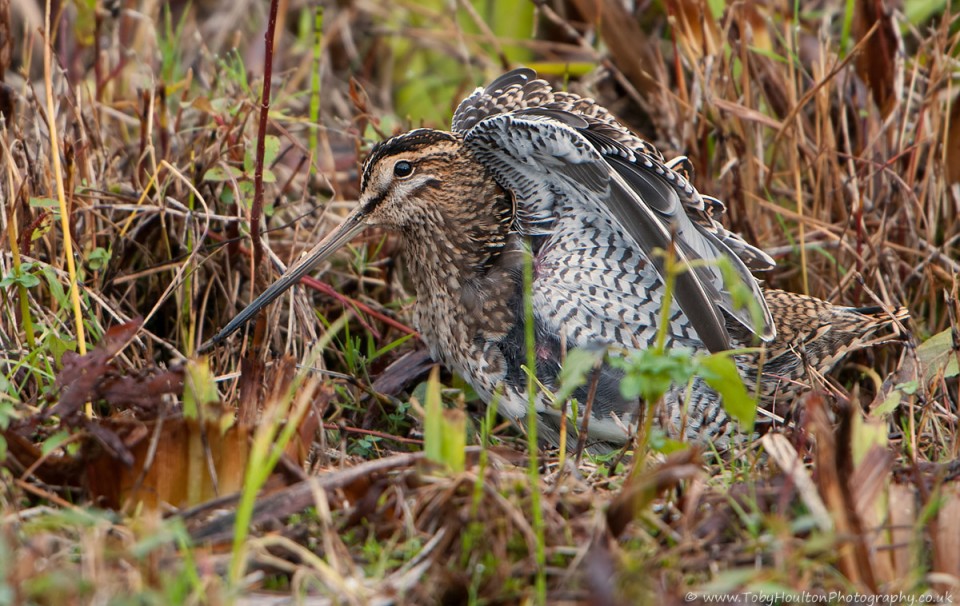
<point x="553" y="170"/>
<point x="520" y="90"/>
<point x="552" y="167"/>
<point x="505" y="94"/>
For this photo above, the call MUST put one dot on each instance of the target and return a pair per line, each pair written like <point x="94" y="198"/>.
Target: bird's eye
<point x="402" y="169"/>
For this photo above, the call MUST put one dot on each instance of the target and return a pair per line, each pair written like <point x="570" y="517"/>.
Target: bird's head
<point x="407" y="178"/>
<point x="402" y="185"/>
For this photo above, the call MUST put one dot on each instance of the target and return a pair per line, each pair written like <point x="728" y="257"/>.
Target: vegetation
<point x="134" y="470"/>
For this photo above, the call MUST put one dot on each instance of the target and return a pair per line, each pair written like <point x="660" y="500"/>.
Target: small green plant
<point x="170" y="46"/>
<point x="445" y="433"/>
<point x="429" y="80"/>
<point x="243" y="178"/>
<point x="23" y="277"/>
<point x="98" y="258"/>
<point x="281" y="419"/>
<point x="365" y="446"/>
<point x="651" y="373"/>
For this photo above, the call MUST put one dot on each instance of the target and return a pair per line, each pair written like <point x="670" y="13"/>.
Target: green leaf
<point x="716" y="8"/>
<point x="433" y="421"/>
<point x="271" y="147"/>
<point x="650" y="375"/>
<point x="919" y="12"/>
<point x="199" y="389"/>
<point x="444" y="431"/>
<point x="49" y="204"/>
<point x="54" y="442"/>
<point x="454" y="446"/>
<point x="865" y="434"/>
<point x="6" y="409"/>
<point x="664" y="444"/>
<point x="909" y="387"/>
<point x="888" y="405"/>
<point x="58" y="346"/>
<point x="227" y="196"/>
<point x="937" y="355"/>
<point x="56" y="288"/>
<point x="26" y="280"/>
<point x="576" y="365"/>
<point x="98" y="258"/>
<point x="219" y="174"/>
<point x="740" y="293"/>
<point x="720" y="373"/>
<point x="42" y="228"/>
<point x="769" y="54"/>
<point x="894" y="398"/>
<point x="246" y="190"/>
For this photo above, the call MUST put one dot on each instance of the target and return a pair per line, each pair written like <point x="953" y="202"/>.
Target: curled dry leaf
<point x="952" y="143"/>
<point x="879" y="64"/>
<point x="643" y="486"/>
<point x="79" y="379"/>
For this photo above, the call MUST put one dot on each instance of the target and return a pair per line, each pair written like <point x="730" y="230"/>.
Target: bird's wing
<point x="520" y="90"/>
<point x="555" y="164"/>
<point x="709" y="240"/>
<point x="704" y="211"/>
<point x="511" y="91"/>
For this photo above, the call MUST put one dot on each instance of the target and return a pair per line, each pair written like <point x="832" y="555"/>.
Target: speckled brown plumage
<point x="533" y="171"/>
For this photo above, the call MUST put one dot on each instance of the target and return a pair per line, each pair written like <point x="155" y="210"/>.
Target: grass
<point x="830" y="135"/>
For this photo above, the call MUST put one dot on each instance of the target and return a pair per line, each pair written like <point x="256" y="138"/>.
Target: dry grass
<point x="832" y="137"/>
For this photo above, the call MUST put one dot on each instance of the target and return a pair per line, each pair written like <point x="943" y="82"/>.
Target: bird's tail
<point x="822" y="333"/>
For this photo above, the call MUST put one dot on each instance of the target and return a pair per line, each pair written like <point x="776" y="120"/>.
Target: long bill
<point x="340" y="235"/>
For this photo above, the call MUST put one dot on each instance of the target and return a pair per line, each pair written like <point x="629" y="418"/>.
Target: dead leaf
<point x="168" y="462"/>
<point x="952" y="142"/>
<point x="642" y="486"/>
<point x="403" y="372"/>
<point x="903" y="516"/>
<point x="946" y="545"/>
<point x="832" y="461"/>
<point x="629" y="45"/>
<point x="78" y="381"/>
<point x="142" y="393"/>
<point x="6" y="45"/>
<point x="937" y="355"/>
<point x="783" y="453"/>
<point x="879" y="64"/>
<point x="751" y="20"/>
<point x="695" y="29"/>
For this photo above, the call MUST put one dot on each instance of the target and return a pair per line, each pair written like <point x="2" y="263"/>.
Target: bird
<point x="533" y="175"/>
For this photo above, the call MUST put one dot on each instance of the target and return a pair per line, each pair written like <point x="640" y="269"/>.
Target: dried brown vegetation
<point x="832" y="137"/>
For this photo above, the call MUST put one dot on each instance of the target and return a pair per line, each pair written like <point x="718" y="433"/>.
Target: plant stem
<point x="61" y="194"/>
<point x="315" y="84"/>
<point x="533" y="468"/>
<point x="256" y="211"/>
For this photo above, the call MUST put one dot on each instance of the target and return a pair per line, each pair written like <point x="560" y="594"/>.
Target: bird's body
<point x="532" y="169"/>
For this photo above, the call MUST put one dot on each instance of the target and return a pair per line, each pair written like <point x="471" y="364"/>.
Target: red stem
<point x="256" y="211"/>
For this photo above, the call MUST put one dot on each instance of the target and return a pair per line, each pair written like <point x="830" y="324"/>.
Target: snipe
<point x="530" y="168"/>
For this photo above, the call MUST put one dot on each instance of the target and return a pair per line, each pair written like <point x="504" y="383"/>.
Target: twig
<point x="299" y="496"/>
<point x="256" y="212"/>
